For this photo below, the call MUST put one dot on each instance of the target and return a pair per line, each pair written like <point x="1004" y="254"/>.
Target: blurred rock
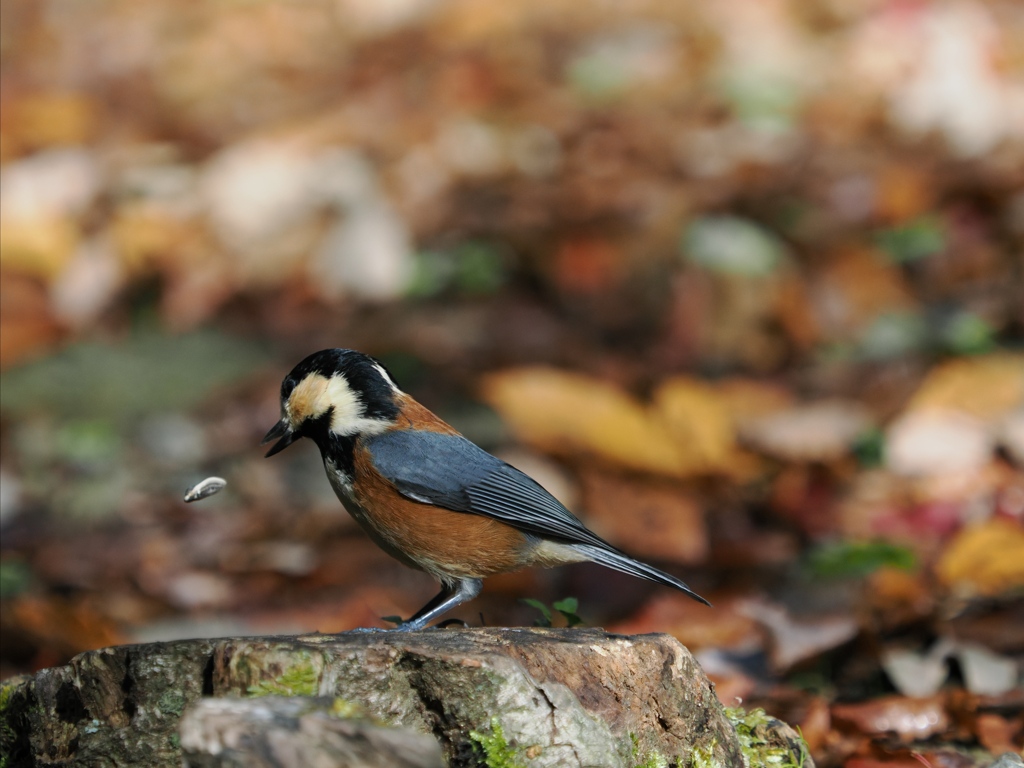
<point x="794" y="642"/>
<point x="822" y="431"/>
<point x="918" y="674"/>
<point x="10" y="497"/>
<point x="935" y="442"/>
<point x="953" y="87"/>
<point x="1011" y="436"/>
<point x="173" y="439"/>
<point x="195" y="589"/>
<point x="88" y="284"/>
<point x="256" y="191"/>
<point x="733" y="245"/>
<point x="292" y="732"/>
<point x="43" y="196"/>
<point x="471" y="147"/>
<point x="368" y="253"/>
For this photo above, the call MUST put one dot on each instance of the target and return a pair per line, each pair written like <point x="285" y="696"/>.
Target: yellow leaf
<point x="37" y="246"/>
<point x="986" y="559"/>
<point x="986" y="387"/>
<point x="51" y="119"/>
<point x="142" y="236"/>
<point x="570" y="413"/>
<point x="696" y="416"/>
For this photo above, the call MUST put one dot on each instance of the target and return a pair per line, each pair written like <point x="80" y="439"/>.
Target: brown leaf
<point x="903" y="193"/>
<point x="859" y="284"/>
<point x="693" y="624"/>
<point x="907" y="718"/>
<point x="897" y="598"/>
<point x="70" y="626"/>
<point x="27" y="327"/>
<point x="646" y="520"/>
<point x="999" y="734"/>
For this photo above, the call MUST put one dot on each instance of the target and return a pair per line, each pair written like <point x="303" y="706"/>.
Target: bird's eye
<point x="287" y="386"/>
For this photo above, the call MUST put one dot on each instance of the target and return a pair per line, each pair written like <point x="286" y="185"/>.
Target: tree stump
<point x="494" y="697"/>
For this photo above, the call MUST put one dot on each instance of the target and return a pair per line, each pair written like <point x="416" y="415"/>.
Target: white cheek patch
<point x="315" y="394"/>
<point x="347" y="417"/>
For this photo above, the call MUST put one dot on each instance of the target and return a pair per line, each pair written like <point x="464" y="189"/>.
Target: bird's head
<point x="336" y="393"/>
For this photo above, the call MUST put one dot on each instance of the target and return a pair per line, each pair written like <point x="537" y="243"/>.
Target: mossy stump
<point x="502" y="698"/>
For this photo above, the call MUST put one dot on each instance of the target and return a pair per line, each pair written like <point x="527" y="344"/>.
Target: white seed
<point x="207" y="487"/>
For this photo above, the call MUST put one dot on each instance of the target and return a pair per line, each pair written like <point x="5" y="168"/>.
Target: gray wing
<point x="451" y="472"/>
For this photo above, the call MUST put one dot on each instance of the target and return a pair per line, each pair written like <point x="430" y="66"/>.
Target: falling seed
<point x="207" y="487"/>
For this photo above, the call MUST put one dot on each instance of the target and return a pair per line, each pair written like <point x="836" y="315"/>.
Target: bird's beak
<point x="279" y="430"/>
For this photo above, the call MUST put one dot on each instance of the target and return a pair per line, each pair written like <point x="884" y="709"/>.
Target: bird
<point x="425" y="494"/>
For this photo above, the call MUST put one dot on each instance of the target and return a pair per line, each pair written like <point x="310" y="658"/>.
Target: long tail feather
<point x="620" y="561"/>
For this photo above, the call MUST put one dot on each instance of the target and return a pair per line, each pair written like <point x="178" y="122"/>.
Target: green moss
<point x="301" y="679"/>
<point x="344" y="709"/>
<point x="752" y="729"/>
<point x="496" y="749"/>
<point x="651" y="760"/>
<point x="7" y="735"/>
<point x="172" y="703"/>
<point x="704" y="757"/>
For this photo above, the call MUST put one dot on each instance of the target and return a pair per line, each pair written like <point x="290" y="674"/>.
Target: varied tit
<point x="423" y="492"/>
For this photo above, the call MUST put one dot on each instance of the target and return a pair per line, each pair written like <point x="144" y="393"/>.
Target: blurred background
<point x="742" y="283"/>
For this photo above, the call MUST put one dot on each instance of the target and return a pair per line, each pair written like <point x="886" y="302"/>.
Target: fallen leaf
<point x="646" y="520"/>
<point x="897" y="598"/>
<point x="987" y="673"/>
<point x="568" y="413"/>
<point x="904" y="191"/>
<point x="857" y="286"/>
<point x="908" y="718"/>
<point x="27" y="326"/>
<point x="698" y="419"/>
<point x="726" y="627"/>
<point x="48" y="119"/>
<point x="998" y="734"/>
<point x="69" y="625"/>
<point x="792" y="641"/>
<point x="984" y="559"/>
<point x="40" y="247"/>
<point x="746" y="400"/>
<point x="987" y="388"/>
<point x="918" y="674"/>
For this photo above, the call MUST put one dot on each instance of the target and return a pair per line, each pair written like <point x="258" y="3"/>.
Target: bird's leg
<point x="450" y="596"/>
